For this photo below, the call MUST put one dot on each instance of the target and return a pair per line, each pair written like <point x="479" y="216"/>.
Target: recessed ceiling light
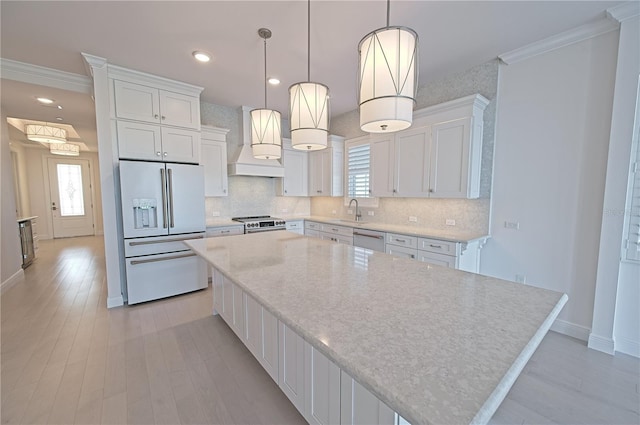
<point x="44" y="100"/>
<point x="59" y="106"/>
<point x="274" y="81"/>
<point x="201" y="56"/>
<point x="59" y="118"/>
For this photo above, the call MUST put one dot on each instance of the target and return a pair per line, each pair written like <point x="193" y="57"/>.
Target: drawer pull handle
<point x="435" y="246"/>
<point x="225" y="231"/>
<point x="368" y="236"/>
<point x="153" y="260"/>
<point x="401" y="240"/>
<point x="412" y="256"/>
<point x="136" y="243"/>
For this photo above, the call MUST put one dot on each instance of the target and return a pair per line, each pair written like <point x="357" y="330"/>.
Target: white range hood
<point x="243" y="163"/>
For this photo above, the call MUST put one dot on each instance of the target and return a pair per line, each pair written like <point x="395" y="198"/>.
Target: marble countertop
<point x="435" y="344"/>
<point x="393" y="228"/>
<point x="21" y="219"/>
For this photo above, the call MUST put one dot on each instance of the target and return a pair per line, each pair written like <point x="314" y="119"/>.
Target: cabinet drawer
<point x="337" y="230"/>
<point x="402" y="240"/>
<point x="157" y="245"/>
<point x="346" y="240"/>
<point x="312" y="225"/>
<point x="312" y="233"/>
<point x="435" y="245"/>
<point x="297" y="224"/>
<point x="437" y="259"/>
<point x="401" y="251"/>
<point x="213" y="232"/>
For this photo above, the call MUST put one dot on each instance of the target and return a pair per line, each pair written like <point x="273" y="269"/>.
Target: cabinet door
<point x="382" y="165"/>
<point x="253" y="326"/>
<point x="412" y="162"/>
<point x="136" y="102"/>
<point x="291" y="366"/>
<point x="214" y="160"/>
<point x="227" y="301"/>
<point x="139" y="141"/>
<point x="296" y="174"/>
<point x="401" y="251"/>
<point x="180" y="145"/>
<point x="218" y="291"/>
<point x="437" y="259"/>
<point x="322" y="391"/>
<point x="450" y="158"/>
<point x="319" y="173"/>
<point x="270" y="346"/>
<point x="179" y="110"/>
<point x="358" y="406"/>
<point x="238" y="312"/>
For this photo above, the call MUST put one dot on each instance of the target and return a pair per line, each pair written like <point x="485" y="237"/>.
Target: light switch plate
<point x="450" y="222"/>
<point x="215" y="214"/>
<point x="370" y="213"/>
<point x="413" y="219"/>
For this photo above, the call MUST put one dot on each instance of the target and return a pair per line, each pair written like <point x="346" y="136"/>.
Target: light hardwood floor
<point x="66" y="359"/>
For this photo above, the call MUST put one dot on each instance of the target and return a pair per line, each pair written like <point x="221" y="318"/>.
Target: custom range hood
<point x="243" y="163"/>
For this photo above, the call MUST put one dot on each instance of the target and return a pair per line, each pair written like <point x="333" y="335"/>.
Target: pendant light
<point x="309" y="107"/>
<point x="44" y="133"/>
<point x="387" y="78"/>
<point x="266" y="134"/>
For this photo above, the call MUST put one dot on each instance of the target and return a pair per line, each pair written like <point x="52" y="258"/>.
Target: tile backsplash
<point x="255" y="196"/>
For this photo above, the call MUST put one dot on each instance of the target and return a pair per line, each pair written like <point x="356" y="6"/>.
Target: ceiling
<point x="158" y="37"/>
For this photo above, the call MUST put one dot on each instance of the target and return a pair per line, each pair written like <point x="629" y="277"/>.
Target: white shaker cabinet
<point x="296" y="172"/>
<point x="322" y="388"/>
<point x="213" y="158"/>
<point x="326" y="169"/>
<point x="261" y="335"/>
<point x="358" y="406"/>
<point x="295" y="226"/>
<point x="440" y="157"/>
<point x="291" y="366"/>
<point x="153" y="105"/>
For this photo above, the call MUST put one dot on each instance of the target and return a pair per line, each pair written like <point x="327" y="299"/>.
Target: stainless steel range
<point x="262" y="223"/>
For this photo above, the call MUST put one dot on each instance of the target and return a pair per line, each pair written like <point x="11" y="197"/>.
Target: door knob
<point x="54" y="208"/>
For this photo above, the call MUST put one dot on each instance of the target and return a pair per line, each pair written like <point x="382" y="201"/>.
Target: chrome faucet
<point x="358" y="215"/>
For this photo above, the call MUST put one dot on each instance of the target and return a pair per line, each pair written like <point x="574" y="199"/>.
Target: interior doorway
<point x="70" y="197"/>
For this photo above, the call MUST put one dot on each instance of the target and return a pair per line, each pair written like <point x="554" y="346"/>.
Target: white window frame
<point x="371" y="202"/>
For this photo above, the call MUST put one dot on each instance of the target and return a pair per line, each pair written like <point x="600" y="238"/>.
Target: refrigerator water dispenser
<point x="145" y="213"/>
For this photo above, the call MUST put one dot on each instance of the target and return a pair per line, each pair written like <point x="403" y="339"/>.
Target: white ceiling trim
<point x="131" y="75"/>
<point x="624" y="11"/>
<point x="575" y="35"/>
<point x="34" y="74"/>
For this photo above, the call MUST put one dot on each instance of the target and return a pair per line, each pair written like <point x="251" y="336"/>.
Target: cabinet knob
<point x="155" y="116"/>
<point x="163" y="117"/>
<point x="319" y="191"/>
<point x="165" y="154"/>
<point x="431" y="190"/>
<point x="394" y="191"/>
<point x="285" y="191"/>
<point x="224" y="190"/>
<point x="158" y="153"/>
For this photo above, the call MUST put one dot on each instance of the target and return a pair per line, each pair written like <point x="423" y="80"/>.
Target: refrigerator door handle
<point x="164" y="198"/>
<point x="171" y="221"/>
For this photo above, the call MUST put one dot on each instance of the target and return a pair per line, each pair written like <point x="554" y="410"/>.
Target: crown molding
<point x="131" y="75"/>
<point x="575" y="35"/>
<point x="48" y="77"/>
<point x="624" y="11"/>
<point x="474" y="100"/>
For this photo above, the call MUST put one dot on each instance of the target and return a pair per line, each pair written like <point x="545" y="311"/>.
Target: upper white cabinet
<point x="154" y="118"/>
<point x="440" y="157"/>
<point x="150" y="104"/>
<point x="326" y="169"/>
<point x="213" y="158"/>
<point x="296" y="172"/>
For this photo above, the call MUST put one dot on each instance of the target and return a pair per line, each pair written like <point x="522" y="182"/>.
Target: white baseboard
<point x="15" y="278"/>
<point x="599" y="343"/>
<point x="628" y="346"/>
<point x="571" y="329"/>
<point x="115" y="301"/>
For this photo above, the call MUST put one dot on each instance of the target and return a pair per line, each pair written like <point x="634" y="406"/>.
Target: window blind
<point x="358" y="163"/>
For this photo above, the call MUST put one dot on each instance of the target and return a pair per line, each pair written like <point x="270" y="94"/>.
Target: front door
<point x="71" y="206"/>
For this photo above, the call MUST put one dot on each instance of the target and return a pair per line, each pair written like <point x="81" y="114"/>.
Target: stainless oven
<point x="263" y="223"/>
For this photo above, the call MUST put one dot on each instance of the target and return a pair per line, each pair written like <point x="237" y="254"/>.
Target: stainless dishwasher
<point x="369" y="239"/>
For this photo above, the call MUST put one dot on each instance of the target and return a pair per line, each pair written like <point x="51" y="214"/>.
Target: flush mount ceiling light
<point x="67" y="149"/>
<point x="44" y="100"/>
<point x="309" y="107"/>
<point x="201" y="56"/>
<point x="266" y="136"/>
<point x="274" y="81"/>
<point x="45" y="133"/>
<point x="387" y="78"/>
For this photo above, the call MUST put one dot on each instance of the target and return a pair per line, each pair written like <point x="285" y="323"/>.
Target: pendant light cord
<point x="265" y="73"/>
<point x="388" y="8"/>
<point x="309" y="40"/>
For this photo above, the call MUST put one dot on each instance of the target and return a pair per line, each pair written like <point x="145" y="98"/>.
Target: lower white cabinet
<point x="437" y="259"/>
<point x="291" y="366"/>
<point x="295" y="226"/>
<point x="261" y="335"/>
<point x="213" y="232"/>
<point x="358" y="406"/>
<point x="401" y="251"/>
<point x="322" y="388"/>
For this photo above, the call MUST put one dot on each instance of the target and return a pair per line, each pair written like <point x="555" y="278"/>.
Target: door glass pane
<point x="70" y="189"/>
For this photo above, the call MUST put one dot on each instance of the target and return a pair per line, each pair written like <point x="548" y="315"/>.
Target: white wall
<point x="551" y="146"/>
<point x="10" y="251"/>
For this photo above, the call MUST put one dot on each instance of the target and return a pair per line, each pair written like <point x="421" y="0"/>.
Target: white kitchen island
<point x="435" y="345"/>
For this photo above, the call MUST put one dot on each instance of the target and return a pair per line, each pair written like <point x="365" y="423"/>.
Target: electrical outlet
<point x="520" y="278"/>
<point x="284" y="210"/>
<point x="450" y="222"/>
<point x="370" y="213"/>
<point x="215" y="214"/>
<point x="512" y="225"/>
<point x="333" y="211"/>
<point x="413" y="219"/>
<point x="349" y="211"/>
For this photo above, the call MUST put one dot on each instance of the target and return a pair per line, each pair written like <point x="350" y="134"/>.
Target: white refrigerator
<point x="162" y="205"/>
